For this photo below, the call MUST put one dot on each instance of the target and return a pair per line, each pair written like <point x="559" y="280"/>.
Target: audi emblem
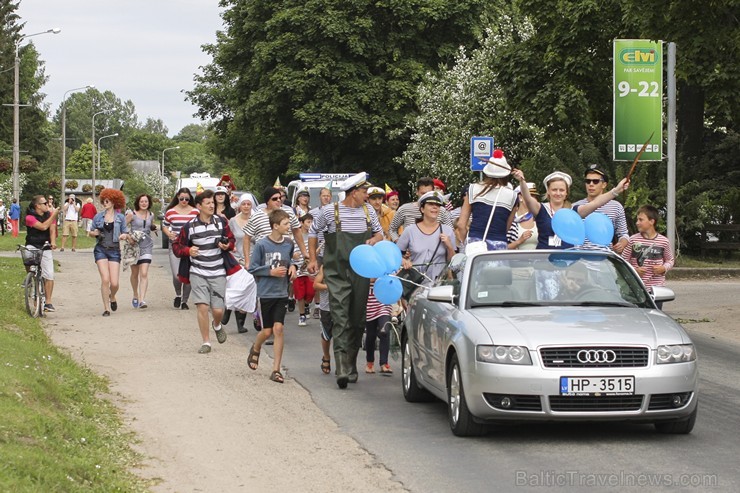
<point x="596" y="356"/>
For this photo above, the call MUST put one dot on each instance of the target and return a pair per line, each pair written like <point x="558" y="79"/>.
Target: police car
<point x="313" y="183"/>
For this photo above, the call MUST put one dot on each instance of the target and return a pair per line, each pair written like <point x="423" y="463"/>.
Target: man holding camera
<point x="202" y="247"/>
<point x="71" y="211"/>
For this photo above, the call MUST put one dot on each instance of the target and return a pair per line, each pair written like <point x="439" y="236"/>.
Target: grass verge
<point x="56" y="432"/>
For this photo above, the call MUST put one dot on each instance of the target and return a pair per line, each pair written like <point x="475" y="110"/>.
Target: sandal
<point x="326" y="366"/>
<point x="253" y="360"/>
<point x="370" y="368"/>
<point x="386" y="369"/>
<point x="276" y="376"/>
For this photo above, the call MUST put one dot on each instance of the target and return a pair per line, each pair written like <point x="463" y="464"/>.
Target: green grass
<point x="715" y="261"/>
<point x="8" y="243"/>
<point x="56" y="432"/>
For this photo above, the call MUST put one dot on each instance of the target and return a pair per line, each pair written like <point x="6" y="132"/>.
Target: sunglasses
<point x="593" y="181"/>
<point x="275" y="199"/>
<point x="184" y="199"/>
<point x="43" y="203"/>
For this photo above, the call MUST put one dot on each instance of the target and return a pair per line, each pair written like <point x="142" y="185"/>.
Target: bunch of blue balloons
<point x="569" y="227"/>
<point x="379" y="261"/>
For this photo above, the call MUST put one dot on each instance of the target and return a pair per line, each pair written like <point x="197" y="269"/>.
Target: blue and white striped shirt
<point x="352" y="219"/>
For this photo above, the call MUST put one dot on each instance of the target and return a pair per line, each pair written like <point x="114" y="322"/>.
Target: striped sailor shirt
<point x="209" y="262"/>
<point x="649" y="253"/>
<point x="258" y="226"/>
<point x="408" y="214"/>
<point x="375" y="309"/>
<point x="352" y="219"/>
<point x="176" y="220"/>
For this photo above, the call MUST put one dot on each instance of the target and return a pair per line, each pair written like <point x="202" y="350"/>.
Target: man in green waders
<point x="345" y="225"/>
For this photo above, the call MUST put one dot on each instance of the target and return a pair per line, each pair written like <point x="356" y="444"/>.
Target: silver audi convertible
<point x="566" y="335"/>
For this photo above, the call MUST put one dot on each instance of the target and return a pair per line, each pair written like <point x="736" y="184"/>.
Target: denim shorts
<point x="109" y="254"/>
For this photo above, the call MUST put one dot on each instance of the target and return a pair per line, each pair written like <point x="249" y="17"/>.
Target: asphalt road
<point x="415" y="443"/>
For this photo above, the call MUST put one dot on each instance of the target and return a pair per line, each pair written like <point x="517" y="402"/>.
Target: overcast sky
<point x="146" y="51"/>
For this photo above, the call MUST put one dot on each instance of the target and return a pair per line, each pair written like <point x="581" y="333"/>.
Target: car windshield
<point x="545" y="278"/>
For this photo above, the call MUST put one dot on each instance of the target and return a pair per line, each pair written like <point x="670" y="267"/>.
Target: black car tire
<point x="679" y="427"/>
<point x="461" y="420"/>
<point x="412" y="392"/>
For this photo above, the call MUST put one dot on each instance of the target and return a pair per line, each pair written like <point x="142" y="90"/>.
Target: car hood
<point x="539" y="326"/>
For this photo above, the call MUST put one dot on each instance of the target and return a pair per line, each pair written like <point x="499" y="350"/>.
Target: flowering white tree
<point x="6" y="187"/>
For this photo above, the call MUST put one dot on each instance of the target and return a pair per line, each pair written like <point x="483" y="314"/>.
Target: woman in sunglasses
<point x="180" y="211"/>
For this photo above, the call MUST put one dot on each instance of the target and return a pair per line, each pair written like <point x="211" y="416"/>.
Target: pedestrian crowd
<point x="278" y="258"/>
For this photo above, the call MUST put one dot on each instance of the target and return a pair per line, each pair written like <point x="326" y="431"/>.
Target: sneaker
<point x="220" y="333"/>
<point x="48" y="307"/>
<point x="316" y="313"/>
<point x="184" y="306"/>
<point x="177" y="302"/>
<point x="302" y="321"/>
<point x="135" y="303"/>
<point x="61" y="249"/>
<point x="291" y="304"/>
<point x="386" y="369"/>
<point x="204" y="349"/>
<point x="142" y="305"/>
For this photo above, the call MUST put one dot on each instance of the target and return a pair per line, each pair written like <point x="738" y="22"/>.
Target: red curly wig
<point x="115" y="196"/>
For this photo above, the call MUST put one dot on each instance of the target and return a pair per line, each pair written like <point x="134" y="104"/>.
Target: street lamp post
<point x="101" y="138"/>
<point x="161" y="189"/>
<point x="16" y="112"/>
<point x="93" y="151"/>
<point x="64" y="136"/>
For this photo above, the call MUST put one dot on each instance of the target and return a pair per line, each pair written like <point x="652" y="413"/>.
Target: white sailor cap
<point x="355" y="181"/>
<point x="558" y="174"/>
<point x="433" y="197"/>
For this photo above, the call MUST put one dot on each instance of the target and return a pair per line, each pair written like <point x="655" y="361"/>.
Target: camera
<point x="223" y="240"/>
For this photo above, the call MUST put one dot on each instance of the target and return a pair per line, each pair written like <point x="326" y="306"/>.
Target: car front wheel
<point x="412" y="392"/>
<point x="678" y="427"/>
<point x="461" y="420"/>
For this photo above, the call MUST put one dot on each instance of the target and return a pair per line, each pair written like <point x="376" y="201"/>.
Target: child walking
<point x="270" y="264"/>
<point x="325" y="317"/>
<point x="648" y="251"/>
<point x="377" y="316"/>
<point x="303" y="284"/>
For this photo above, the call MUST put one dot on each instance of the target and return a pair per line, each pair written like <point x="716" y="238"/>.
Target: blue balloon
<point x="388" y="289"/>
<point x="599" y="229"/>
<point x="366" y="262"/>
<point x="390" y="254"/>
<point x="568" y="225"/>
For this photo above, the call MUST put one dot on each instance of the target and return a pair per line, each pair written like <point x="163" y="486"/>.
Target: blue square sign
<point x="480" y="147"/>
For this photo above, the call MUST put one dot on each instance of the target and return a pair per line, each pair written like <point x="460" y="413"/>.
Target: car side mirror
<point x="445" y="294"/>
<point x="661" y="293"/>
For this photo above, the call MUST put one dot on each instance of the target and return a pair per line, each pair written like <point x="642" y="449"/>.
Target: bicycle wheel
<point x="33" y="300"/>
<point x="41" y="296"/>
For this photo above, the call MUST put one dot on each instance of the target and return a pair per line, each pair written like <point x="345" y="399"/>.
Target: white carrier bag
<point x="241" y="292"/>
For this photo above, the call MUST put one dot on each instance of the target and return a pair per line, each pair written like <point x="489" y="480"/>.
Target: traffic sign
<point x="480" y="147"/>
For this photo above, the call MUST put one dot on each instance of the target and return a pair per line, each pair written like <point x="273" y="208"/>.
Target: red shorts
<point x="303" y="288"/>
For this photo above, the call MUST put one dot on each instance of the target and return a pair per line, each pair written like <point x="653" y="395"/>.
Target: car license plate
<point x="597" y="386"/>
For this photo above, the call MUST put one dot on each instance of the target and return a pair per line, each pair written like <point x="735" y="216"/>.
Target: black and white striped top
<point x="258" y="225"/>
<point x="209" y="261"/>
<point x="352" y="219"/>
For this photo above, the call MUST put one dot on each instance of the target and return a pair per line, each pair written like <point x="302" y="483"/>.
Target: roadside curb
<point x="703" y="273"/>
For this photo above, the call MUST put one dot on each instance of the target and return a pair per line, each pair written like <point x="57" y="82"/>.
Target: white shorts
<point x="47" y="263"/>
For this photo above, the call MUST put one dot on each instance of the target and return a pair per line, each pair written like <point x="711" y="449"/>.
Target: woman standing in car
<point x="179" y="212"/>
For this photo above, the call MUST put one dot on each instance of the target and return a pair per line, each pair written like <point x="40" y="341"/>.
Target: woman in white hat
<point x="488" y="205"/>
<point x="523" y="231"/>
<point x="223" y="203"/>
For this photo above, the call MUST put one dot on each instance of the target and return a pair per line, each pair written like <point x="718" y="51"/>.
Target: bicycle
<point x="35" y="291"/>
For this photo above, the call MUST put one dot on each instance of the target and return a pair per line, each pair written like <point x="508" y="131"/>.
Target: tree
<point x="193" y="133"/>
<point x="81" y="106"/>
<point x="324" y="84"/>
<point x="155" y="126"/>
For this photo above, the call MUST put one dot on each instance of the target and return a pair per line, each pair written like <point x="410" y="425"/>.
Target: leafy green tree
<point x="193" y="133"/>
<point x="324" y="84"/>
<point x="155" y="126"/>
<point x="144" y="145"/>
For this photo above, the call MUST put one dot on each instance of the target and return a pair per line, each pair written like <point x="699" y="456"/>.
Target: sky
<point x="146" y="51"/>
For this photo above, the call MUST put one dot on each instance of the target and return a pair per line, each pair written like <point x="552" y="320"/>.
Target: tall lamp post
<point x="64" y="136"/>
<point x="161" y="189"/>
<point x="16" y="112"/>
<point x="93" y="150"/>
<point x="101" y="138"/>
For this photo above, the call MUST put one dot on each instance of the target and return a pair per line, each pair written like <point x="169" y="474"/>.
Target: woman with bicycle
<point x="109" y="226"/>
<point x="429" y="245"/>
<point x="41" y="229"/>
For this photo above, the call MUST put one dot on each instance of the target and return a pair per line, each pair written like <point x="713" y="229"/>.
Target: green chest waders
<point x="348" y="293"/>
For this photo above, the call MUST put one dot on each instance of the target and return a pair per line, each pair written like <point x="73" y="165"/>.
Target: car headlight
<point x="505" y="355"/>
<point x="675" y="353"/>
